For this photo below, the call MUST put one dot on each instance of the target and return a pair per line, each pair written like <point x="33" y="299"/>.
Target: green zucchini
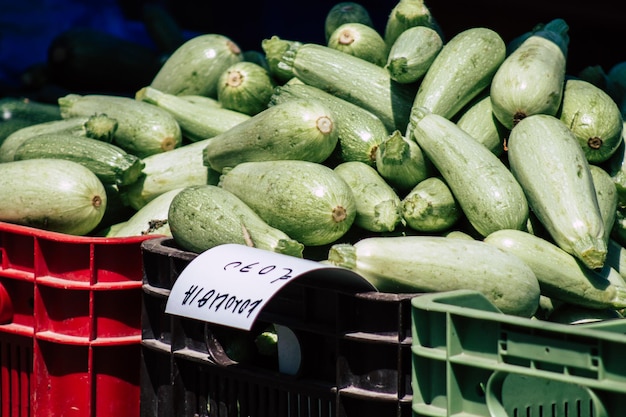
<point x="531" y="79"/>
<point x="462" y="70"/>
<point x="274" y="49"/>
<point x="616" y="167"/>
<point x="430" y="206"/>
<point x="346" y="12"/>
<point x="573" y="314"/>
<point x="151" y="219"/>
<point x="606" y="194"/>
<point x="51" y="194"/>
<point x="196" y="65"/>
<point x="27" y="109"/>
<point x="297" y="129"/>
<point x="306" y="200"/>
<point x="491" y="198"/>
<point x="412" y="54"/>
<point x="402" y="162"/>
<point x="180" y="167"/>
<point x="197" y="119"/>
<point x="377" y="204"/>
<point x="360" y="40"/>
<point x="562" y="276"/>
<point x="110" y="163"/>
<point x="204" y="216"/>
<point x="479" y="122"/>
<point x="359" y="132"/>
<point x="594" y="117"/>
<point x="100" y="127"/>
<point x="412" y="264"/>
<point x="245" y="87"/>
<point x="353" y="79"/>
<point x="547" y="160"/>
<point x="143" y="129"/>
<point x="406" y="14"/>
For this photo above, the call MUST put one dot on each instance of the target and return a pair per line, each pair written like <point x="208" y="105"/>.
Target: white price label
<point x="229" y="284"/>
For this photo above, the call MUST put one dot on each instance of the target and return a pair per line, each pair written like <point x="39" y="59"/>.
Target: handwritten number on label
<point x="217" y="301"/>
<point x="237" y="265"/>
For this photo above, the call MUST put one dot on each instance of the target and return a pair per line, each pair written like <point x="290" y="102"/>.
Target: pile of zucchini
<point x="421" y="162"/>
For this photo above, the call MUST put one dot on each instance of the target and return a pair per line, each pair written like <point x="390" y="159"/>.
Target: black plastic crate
<point x="355" y="352"/>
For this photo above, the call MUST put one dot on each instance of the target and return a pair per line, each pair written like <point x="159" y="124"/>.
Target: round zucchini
<point x="306" y="200"/>
<point x="346" y="12"/>
<point x="51" y="194"/>
<point x="594" y="117"/>
<point x="361" y="41"/>
<point x="245" y="87"/>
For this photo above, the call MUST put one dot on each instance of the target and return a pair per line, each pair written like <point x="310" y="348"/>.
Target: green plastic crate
<point x="469" y="359"/>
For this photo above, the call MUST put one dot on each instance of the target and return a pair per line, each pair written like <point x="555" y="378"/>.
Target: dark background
<point x="27" y="30"/>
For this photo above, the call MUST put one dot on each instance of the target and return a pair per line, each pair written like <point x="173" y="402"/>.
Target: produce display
<point x="423" y="160"/>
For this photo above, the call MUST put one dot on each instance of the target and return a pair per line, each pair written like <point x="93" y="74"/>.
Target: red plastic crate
<point x="70" y="324"/>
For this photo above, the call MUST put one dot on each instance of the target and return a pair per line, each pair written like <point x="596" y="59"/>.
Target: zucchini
<point x="606" y="194"/>
<point x="26" y="109"/>
<point x="401" y="162"/>
<point x="594" y="117"/>
<point x="561" y="276"/>
<point x="346" y="12"/>
<point x="616" y="167"/>
<point x="430" y="206"/>
<point x="462" y="70"/>
<point x="245" y="87"/>
<point x="196" y="65"/>
<point x="479" y="122"/>
<point x="547" y="160"/>
<point x="110" y="163"/>
<point x="306" y="200"/>
<point x="531" y="79"/>
<point x="491" y="198"/>
<point x="100" y="127"/>
<point x="412" y="54"/>
<point x="197" y="119"/>
<point x="353" y="79"/>
<point x="151" y="219"/>
<point x="204" y="216"/>
<point x="51" y="194"/>
<point x="274" y="49"/>
<point x="414" y="264"/>
<point x="377" y="204"/>
<point x="298" y="129"/>
<point x="406" y="14"/>
<point x="616" y="82"/>
<point x="180" y="167"/>
<point x="143" y="129"/>
<point x="360" y="40"/>
<point x="359" y="132"/>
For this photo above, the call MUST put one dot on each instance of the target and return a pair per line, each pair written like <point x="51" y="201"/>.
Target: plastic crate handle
<point x="6" y="306"/>
<point x="494" y="397"/>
